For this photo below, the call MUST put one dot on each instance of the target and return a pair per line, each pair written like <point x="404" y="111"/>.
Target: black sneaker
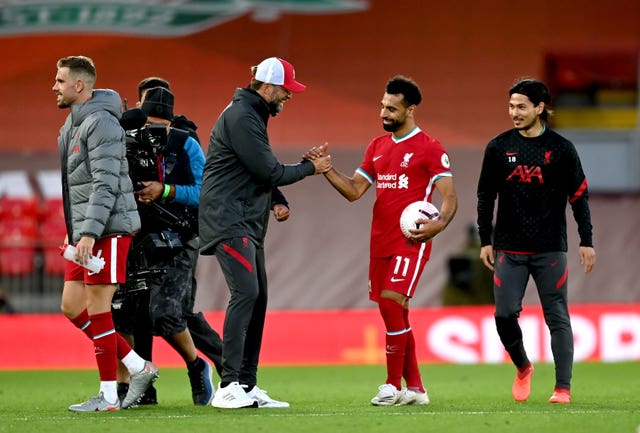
<point x="123" y="389"/>
<point x="202" y="388"/>
<point x="150" y="397"/>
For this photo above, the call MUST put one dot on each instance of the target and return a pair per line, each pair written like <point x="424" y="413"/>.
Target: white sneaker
<point x="409" y="396"/>
<point x="388" y="395"/>
<point x="232" y="396"/>
<point x="260" y="396"/>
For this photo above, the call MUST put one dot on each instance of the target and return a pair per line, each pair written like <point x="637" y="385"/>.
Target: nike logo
<point x="396" y="280"/>
<point x="375" y="158"/>
<point x="512" y="153"/>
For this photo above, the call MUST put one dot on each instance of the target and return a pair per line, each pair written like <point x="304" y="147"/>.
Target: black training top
<point x="532" y="178"/>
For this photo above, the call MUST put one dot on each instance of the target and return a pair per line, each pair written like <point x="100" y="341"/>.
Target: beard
<point x="64" y="102"/>
<point x="393" y="126"/>
<point x="275" y="107"/>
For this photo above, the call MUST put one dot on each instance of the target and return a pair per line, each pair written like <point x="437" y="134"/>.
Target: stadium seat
<point x="52" y="237"/>
<point x="18" y="207"/>
<point x="52" y="209"/>
<point x="18" y="239"/>
<point x="52" y="233"/>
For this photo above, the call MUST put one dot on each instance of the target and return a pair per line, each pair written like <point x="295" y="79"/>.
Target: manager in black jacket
<point x="236" y="197"/>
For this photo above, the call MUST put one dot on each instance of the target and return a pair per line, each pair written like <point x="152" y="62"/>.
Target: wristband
<point x="167" y="190"/>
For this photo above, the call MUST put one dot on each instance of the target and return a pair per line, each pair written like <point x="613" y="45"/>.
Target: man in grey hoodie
<point x="101" y="217"/>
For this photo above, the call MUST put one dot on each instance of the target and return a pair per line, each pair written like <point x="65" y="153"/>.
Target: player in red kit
<point x="406" y="165"/>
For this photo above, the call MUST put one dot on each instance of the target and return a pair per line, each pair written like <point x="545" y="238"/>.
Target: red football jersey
<point x="403" y="170"/>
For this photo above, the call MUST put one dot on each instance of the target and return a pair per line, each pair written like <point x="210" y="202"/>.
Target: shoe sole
<point x="384" y="403"/>
<point x="114" y="409"/>
<point x="413" y="403"/>
<point x="273" y="406"/>
<point x="219" y="406"/>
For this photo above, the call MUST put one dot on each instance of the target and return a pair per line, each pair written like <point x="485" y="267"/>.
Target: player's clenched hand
<point x="281" y="212"/>
<point x="322" y="164"/>
<point x="316" y="152"/>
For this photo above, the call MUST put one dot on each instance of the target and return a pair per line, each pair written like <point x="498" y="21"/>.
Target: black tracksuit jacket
<point x="240" y="174"/>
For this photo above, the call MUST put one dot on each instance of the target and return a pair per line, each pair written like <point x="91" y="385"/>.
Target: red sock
<point x="396" y="339"/>
<point x="122" y="347"/>
<point x="105" y="345"/>
<point x="411" y="371"/>
<point x="82" y="322"/>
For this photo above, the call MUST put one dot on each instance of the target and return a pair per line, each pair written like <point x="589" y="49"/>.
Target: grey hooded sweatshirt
<point x="96" y="188"/>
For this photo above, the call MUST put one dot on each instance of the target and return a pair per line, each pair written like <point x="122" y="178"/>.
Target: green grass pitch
<point x="335" y="399"/>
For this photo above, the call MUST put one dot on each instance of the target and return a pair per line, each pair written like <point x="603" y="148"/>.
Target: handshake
<point x="319" y="157"/>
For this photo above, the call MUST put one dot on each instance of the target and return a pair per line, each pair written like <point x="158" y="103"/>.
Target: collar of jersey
<point x="413" y="132"/>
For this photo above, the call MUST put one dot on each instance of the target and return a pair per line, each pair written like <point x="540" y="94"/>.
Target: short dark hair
<point x="150" y="83"/>
<point x="400" y="85"/>
<point x="80" y="65"/>
<point x="536" y="91"/>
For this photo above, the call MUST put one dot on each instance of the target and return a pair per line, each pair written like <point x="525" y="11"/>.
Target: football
<point x="415" y="211"/>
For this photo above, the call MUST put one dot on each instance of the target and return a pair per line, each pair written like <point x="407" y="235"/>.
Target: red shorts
<point x="399" y="273"/>
<point x="114" y="251"/>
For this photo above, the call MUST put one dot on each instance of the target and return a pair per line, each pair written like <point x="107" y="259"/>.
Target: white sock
<point x="133" y="362"/>
<point x="109" y="390"/>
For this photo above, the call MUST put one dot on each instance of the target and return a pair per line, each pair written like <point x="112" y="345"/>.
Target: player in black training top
<point x="533" y="172"/>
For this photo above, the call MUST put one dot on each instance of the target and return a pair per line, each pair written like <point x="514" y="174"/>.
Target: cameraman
<point x="166" y="169"/>
<point x="179" y="121"/>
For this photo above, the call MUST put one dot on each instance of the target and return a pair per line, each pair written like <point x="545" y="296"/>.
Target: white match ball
<point x="415" y="211"/>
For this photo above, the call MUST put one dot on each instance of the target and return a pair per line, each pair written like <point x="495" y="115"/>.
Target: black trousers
<point x="243" y="266"/>
<point x="549" y="272"/>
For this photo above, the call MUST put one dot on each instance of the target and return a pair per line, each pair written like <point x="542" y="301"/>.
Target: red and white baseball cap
<point x="275" y="70"/>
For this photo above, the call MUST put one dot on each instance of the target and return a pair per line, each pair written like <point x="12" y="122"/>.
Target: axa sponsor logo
<point x="526" y="174"/>
<point x="152" y="17"/>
